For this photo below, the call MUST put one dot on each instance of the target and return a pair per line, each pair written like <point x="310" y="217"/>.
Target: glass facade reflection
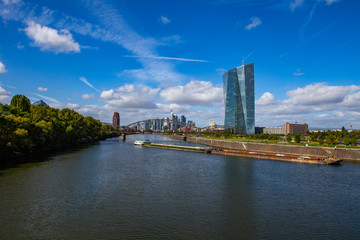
<point x="239" y="98"/>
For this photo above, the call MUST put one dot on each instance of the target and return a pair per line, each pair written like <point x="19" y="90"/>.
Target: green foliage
<point x="297" y="138"/>
<point x="288" y="138"/>
<point x="21" y="102"/>
<point x="44" y="127"/>
<point x="331" y="140"/>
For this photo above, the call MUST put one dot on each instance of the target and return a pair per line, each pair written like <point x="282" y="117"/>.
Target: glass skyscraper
<point x="239" y="98"/>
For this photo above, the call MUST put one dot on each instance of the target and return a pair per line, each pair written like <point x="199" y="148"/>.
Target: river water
<point x="115" y="190"/>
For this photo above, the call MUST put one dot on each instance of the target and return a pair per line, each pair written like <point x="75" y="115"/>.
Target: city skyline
<point x="142" y="59"/>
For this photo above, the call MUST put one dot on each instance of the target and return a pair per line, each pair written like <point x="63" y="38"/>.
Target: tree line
<point x="26" y="128"/>
<point x="344" y="137"/>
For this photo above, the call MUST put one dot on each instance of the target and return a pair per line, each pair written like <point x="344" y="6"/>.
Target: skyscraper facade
<point x="116" y="120"/>
<point x="239" y="99"/>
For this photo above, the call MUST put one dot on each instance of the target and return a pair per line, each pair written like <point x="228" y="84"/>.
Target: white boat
<point x="142" y="142"/>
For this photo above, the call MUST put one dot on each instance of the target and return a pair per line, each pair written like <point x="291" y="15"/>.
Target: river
<point x="115" y="190"/>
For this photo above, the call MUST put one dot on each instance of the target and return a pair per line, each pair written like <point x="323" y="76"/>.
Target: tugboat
<point x="330" y="159"/>
<point x="142" y="142"/>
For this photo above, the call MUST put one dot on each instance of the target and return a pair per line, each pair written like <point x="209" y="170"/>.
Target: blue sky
<point x="143" y="58"/>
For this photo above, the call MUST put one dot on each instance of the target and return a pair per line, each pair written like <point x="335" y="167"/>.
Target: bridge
<point x="164" y="123"/>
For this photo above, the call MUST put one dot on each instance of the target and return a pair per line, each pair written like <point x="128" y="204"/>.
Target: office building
<point x="290" y="128"/>
<point x="116" y="120"/>
<point x="273" y="130"/>
<point x="183" y="119"/>
<point x="239" y="99"/>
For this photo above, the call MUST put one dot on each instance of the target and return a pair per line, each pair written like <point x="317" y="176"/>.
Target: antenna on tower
<point x="243" y="60"/>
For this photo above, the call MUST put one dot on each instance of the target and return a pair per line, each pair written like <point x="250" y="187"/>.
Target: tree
<point x="297" y="138"/>
<point x="288" y="138"/>
<point x="330" y="140"/>
<point x="25" y="128"/>
<point x="21" y="102"/>
<point x="346" y="141"/>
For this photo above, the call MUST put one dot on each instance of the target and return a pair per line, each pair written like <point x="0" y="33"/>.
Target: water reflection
<point x="115" y="190"/>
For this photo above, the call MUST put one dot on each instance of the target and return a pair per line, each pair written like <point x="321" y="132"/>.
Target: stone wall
<point x="342" y="153"/>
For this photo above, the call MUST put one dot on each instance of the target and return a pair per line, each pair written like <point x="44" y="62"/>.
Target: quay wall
<point x="346" y="154"/>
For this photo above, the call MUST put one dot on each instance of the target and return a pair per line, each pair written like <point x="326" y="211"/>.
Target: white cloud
<point x="112" y="28"/>
<point x="87" y="96"/>
<point x="50" y="99"/>
<point x="329" y="2"/>
<point x="164" y="20"/>
<point x="298" y="72"/>
<point x="131" y="96"/>
<point x="154" y="70"/>
<point x="169" y="58"/>
<point x="84" y="80"/>
<point x="266" y="99"/>
<point x="20" y="46"/>
<point x="9" y="2"/>
<point x="310" y="16"/>
<point x="194" y="93"/>
<point x="308" y="20"/>
<point x="254" y="22"/>
<point x="5" y="96"/>
<point x="2" y="68"/>
<point x="317" y="104"/>
<point x="320" y="93"/>
<point x="42" y="89"/>
<point x="49" y="39"/>
<point x="171" y="39"/>
<point x="107" y="94"/>
<point x="295" y="4"/>
<point x="128" y="88"/>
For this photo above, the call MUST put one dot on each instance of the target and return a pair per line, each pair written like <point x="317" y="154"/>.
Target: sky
<point x="143" y="58"/>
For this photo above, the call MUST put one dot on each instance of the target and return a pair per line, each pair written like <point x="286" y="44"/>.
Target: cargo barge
<point x="259" y="155"/>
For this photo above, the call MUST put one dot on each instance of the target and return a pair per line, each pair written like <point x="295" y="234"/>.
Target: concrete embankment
<point x="346" y="154"/>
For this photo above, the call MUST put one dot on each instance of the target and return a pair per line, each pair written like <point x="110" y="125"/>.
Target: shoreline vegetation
<point x="27" y="129"/>
<point x="335" y="139"/>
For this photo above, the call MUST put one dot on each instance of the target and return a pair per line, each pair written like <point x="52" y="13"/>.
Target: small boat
<point x="142" y="142"/>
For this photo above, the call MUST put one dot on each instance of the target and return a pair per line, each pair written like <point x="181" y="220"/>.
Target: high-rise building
<point x="183" y="119"/>
<point x="116" y="120"/>
<point x="212" y="124"/>
<point x="239" y="98"/>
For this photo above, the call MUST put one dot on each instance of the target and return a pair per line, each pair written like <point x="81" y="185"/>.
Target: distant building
<point x="239" y="98"/>
<point x="183" y="119"/>
<point x="273" y="130"/>
<point x="259" y="130"/>
<point x="40" y="102"/>
<point x="212" y="124"/>
<point x="116" y="120"/>
<point x="147" y="124"/>
<point x="290" y="128"/>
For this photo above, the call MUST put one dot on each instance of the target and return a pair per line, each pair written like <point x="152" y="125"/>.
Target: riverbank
<point x="9" y="160"/>
<point x="301" y="152"/>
